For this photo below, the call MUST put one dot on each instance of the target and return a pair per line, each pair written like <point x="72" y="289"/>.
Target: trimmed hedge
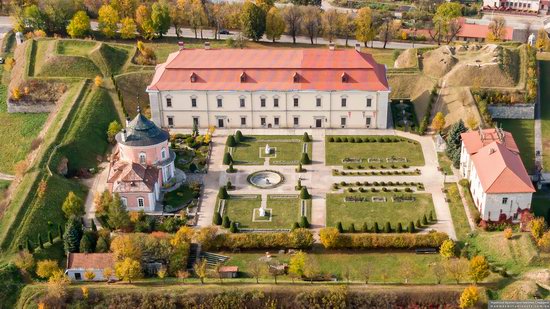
<point x="389" y="241"/>
<point x="298" y="239"/>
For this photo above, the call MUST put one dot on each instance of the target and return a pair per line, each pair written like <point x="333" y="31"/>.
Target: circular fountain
<point x="265" y="179"/>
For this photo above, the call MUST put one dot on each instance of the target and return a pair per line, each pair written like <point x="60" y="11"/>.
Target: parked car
<point x="224" y="31"/>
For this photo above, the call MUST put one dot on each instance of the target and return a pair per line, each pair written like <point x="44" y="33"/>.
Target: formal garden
<point x="373" y="152"/>
<point x="280" y="149"/>
<point x="192" y="151"/>
<point x="389" y="212"/>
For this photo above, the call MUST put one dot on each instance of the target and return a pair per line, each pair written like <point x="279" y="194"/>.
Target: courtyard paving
<point x="318" y="178"/>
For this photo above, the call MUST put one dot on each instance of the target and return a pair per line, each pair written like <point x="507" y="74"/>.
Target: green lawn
<point x="540" y="205"/>
<point x="460" y="221"/>
<point x="17" y="132"/>
<point x="370" y="212"/>
<point x="284" y="211"/>
<point x="389" y="264"/>
<point x="75" y="47"/>
<point x="445" y="163"/>
<point x="405" y="148"/>
<point x="545" y="112"/>
<point x="286" y="152"/>
<point x="178" y="197"/>
<point x="524" y="135"/>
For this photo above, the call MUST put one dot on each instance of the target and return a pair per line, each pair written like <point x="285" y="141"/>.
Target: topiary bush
<point x="387" y="228"/>
<point x="231" y="142"/>
<point x="331" y="139"/>
<point x="399" y="228"/>
<point x="295" y="225"/>
<point x="239" y="138"/>
<point x="226" y="223"/>
<point x="365" y="228"/>
<point x="304" y="223"/>
<point x="305" y="159"/>
<point x="304" y="194"/>
<point x="222" y="193"/>
<point x="352" y="228"/>
<point x="306" y="138"/>
<point x="411" y="228"/>
<point x="227" y="158"/>
<point x="376" y="229"/>
<point x="233" y="228"/>
<point x="217" y="218"/>
<point x="339" y="227"/>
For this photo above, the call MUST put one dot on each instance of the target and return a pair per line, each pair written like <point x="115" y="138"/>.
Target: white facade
<point x="270" y="109"/>
<point x="518" y="5"/>
<point x="77" y="274"/>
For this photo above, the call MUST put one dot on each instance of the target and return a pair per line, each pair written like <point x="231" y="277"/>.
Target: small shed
<point x="80" y="263"/>
<point x="229" y="271"/>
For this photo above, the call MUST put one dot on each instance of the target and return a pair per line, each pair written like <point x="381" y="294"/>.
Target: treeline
<point x="150" y="20"/>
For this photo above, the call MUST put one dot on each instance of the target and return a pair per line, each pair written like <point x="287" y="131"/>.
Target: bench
<point x="425" y="250"/>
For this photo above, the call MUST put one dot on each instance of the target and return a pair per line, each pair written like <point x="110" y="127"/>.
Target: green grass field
<point x="75" y="47"/>
<point x="178" y="197"/>
<point x="544" y="85"/>
<point x="524" y="133"/>
<point x="408" y="149"/>
<point x="286" y="152"/>
<point x="370" y="212"/>
<point x="445" y="163"/>
<point x="131" y="85"/>
<point x="460" y="221"/>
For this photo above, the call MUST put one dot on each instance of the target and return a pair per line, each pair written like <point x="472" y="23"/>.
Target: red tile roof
<point x="480" y="31"/>
<point x="270" y="69"/>
<point x="229" y="269"/>
<point x="90" y="260"/>
<point x="501" y="170"/>
<point x="473" y="142"/>
<point x="132" y="177"/>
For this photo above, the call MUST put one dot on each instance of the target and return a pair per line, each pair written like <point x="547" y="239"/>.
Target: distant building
<point x="270" y="88"/>
<point x="501" y="187"/>
<point x="141" y="164"/>
<point x="229" y="271"/>
<point x="515" y="6"/>
<point x="478" y="33"/>
<point x="80" y="263"/>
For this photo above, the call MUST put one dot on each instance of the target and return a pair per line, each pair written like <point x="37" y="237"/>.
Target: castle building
<point x="501" y="187"/>
<point x="141" y="164"/>
<point x="270" y="88"/>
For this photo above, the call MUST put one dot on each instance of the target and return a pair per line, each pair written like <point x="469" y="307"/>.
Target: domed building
<point x="141" y="164"/>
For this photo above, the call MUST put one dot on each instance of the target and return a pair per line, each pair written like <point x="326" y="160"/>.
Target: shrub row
<point x="383" y="189"/>
<point x="382" y="166"/>
<point x="381" y="183"/>
<point x="375" y="173"/>
<point x="426" y="119"/>
<point x="386" y="241"/>
<point x="368" y="140"/>
<point x="299" y="239"/>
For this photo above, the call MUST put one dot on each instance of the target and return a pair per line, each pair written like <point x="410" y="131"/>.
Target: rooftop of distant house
<point x="90" y="260"/>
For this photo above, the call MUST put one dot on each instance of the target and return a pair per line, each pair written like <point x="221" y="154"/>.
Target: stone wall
<point x="512" y="111"/>
<point x="30" y="107"/>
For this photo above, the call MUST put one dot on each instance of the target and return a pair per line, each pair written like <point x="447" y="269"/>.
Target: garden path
<point x="97" y="184"/>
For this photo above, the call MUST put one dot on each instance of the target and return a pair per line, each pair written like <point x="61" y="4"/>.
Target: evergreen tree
<point x="411" y="228"/>
<point x="73" y="205"/>
<point x="60" y="231"/>
<point x="29" y="246"/>
<point x="339" y="227"/>
<point x="217" y="218"/>
<point x="228" y="185"/>
<point x="118" y="216"/>
<point x="376" y="229"/>
<point x="418" y="224"/>
<point x="160" y="17"/>
<point x="239" y="138"/>
<point x="304" y="194"/>
<point x="94" y="227"/>
<point x="102" y="245"/>
<point x="86" y="244"/>
<point x="40" y="242"/>
<point x="306" y="138"/>
<point x="399" y="228"/>
<point x="231" y="169"/>
<point x="365" y="228"/>
<point x="50" y="237"/>
<point x="305" y="159"/>
<point x="432" y="219"/>
<point x="231" y="142"/>
<point x="222" y="193"/>
<point x="387" y="228"/>
<point x="299" y="184"/>
<point x="454" y="142"/>
<point x="295" y="225"/>
<point x="424" y="220"/>
<point x="73" y="235"/>
<point x="352" y="228"/>
<point x="233" y="228"/>
<point x="226" y="223"/>
<point x="304" y="223"/>
<point x="227" y="158"/>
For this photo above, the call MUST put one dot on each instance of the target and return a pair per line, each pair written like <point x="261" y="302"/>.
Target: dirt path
<point x="456" y="103"/>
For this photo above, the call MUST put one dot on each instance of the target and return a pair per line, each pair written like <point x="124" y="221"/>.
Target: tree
<point x="40" y="242"/>
<point x="389" y="28"/>
<point x="311" y="269"/>
<point x="544" y="242"/>
<point x="200" y="269"/>
<point x="312" y="22"/>
<point x="79" y="25"/>
<point x="329" y="237"/>
<point x="46" y="268"/>
<point x="537" y="227"/>
<point x="253" y="21"/>
<point x="118" y="217"/>
<point x="292" y="15"/>
<point x="73" y="206"/>
<point x="275" y="270"/>
<point x="472" y="122"/>
<point x="257" y="269"/>
<point x="274" y="24"/>
<point x="331" y="24"/>
<point x="497" y="30"/>
<point x="454" y="142"/>
<point x="408" y="270"/>
<point x="297" y="264"/>
<point x="543" y="42"/>
<point x="102" y="245"/>
<point x="508" y="233"/>
<point x="114" y="128"/>
<point x="366" y="271"/>
<point x="227" y="158"/>
<point x="33" y="17"/>
<point x="86" y="245"/>
<point x="108" y="21"/>
<point x="89" y="275"/>
<point x="438" y="122"/>
<point x="57" y="284"/>
<point x="231" y="142"/>
<point x="126" y="246"/>
<point x="226" y="222"/>
<point x="50" y="237"/>
<point x="25" y="261"/>
<point x="162" y="273"/>
<point x="305" y="159"/>
<point x="456" y="269"/>
<point x="469" y="297"/>
<point x="206" y="237"/>
<point x="198" y="17"/>
<point x="107" y="273"/>
<point x="144" y="22"/>
<point x="233" y="227"/>
<point x="129" y="269"/>
<point x="304" y="194"/>
<point x="182" y="274"/>
<point x="128" y="28"/>
<point x="347" y="26"/>
<point x="447" y="249"/>
<point x="301" y="238"/>
<point x="304" y="223"/>
<point x="217" y="218"/>
<point x="73" y="234"/>
<point x="445" y="22"/>
<point x="222" y="193"/>
<point x="479" y="268"/>
<point x="364" y="27"/>
<point x="160" y="17"/>
<point x="439" y="272"/>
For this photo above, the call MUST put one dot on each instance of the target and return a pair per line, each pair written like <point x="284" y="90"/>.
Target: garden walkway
<point x="318" y="177"/>
<point x="97" y="184"/>
<point x="6" y="177"/>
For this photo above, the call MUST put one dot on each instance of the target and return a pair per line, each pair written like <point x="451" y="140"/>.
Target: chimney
<point x="180" y="45"/>
<point x="358" y="47"/>
<point x="207" y="45"/>
<point x="331" y="46"/>
<point x="124" y="135"/>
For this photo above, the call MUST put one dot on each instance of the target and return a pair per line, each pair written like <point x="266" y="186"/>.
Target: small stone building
<point x="229" y="271"/>
<point x="79" y="263"/>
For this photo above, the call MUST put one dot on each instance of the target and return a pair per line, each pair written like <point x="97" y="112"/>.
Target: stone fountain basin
<point x="265" y="179"/>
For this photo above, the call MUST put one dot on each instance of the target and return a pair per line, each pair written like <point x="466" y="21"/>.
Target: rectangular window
<point x="196" y="121"/>
<point x="318" y="102"/>
<point x="262" y="102"/>
<point x="220" y="102"/>
<point x="275" y="102"/>
<point x="243" y="121"/>
<point x="343" y="121"/>
<point x="168" y="102"/>
<point x="193" y="102"/>
<point x="295" y="102"/>
<point x="170" y="120"/>
<point x="368" y="121"/>
<point x="276" y="121"/>
<point x="141" y="202"/>
<point x="369" y="102"/>
<point x="344" y="102"/>
<point x="262" y="121"/>
<point x="77" y="276"/>
<point x="504" y="200"/>
<point x="241" y="101"/>
<point x="296" y="121"/>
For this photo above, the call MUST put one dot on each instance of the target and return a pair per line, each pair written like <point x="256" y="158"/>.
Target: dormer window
<point x="142" y="158"/>
<point x="296" y="77"/>
<point x="243" y="77"/>
<point x="193" y="77"/>
<point x="344" y="78"/>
